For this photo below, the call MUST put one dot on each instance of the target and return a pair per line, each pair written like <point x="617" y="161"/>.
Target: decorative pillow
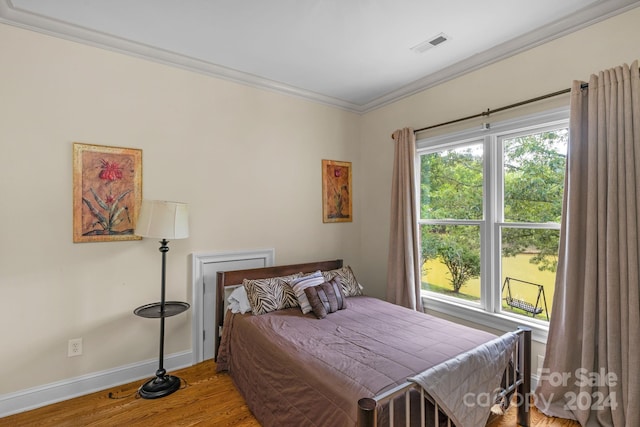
<point x="326" y="298"/>
<point x="300" y="284"/>
<point x="350" y="285"/>
<point x="271" y="294"/>
<point x="239" y="301"/>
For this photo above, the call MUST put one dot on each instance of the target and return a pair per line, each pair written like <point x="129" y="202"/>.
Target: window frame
<point x="488" y="311"/>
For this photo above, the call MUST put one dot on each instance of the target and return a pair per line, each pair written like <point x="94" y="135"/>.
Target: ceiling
<point x="352" y="54"/>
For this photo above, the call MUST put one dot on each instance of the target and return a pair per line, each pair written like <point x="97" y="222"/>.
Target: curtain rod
<point x="489" y="111"/>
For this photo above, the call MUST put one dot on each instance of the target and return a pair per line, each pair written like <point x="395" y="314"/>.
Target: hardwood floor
<point x="206" y="399"/>
<point x="538" y="419"/>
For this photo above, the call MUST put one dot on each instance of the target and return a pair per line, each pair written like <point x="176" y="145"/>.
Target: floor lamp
<point x="166" y="221"/>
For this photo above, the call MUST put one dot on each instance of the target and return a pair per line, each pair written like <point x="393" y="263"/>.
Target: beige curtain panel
<point x="592" y="364"/>
<point x="403" y="269"/>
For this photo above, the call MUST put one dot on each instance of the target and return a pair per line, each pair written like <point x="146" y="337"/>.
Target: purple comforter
<point x="296" y="370"/>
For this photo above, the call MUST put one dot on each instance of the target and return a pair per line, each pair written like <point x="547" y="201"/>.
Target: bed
<point x="370" y="364"/>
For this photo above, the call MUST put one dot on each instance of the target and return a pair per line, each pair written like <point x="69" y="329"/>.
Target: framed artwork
<point x="336" y="191"/>
<point x="107" y="192"/>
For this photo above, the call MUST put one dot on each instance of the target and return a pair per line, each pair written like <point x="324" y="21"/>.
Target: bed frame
<point x="518" y="377"/>
<point x="518" y="380"/>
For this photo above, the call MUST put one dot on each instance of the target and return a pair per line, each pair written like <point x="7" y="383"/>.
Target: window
<point x="490" y="210"/>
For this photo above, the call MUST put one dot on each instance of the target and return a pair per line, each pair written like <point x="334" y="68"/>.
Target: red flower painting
<point x="336" y="191"/>
<point x="107" y="192"/>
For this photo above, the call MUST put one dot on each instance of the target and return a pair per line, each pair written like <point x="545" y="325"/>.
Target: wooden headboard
<point x="235" y="277"/>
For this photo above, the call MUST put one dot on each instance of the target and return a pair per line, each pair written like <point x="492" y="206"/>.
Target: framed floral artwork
<point x="336" y="191"/>
<point x="107" y="192"/>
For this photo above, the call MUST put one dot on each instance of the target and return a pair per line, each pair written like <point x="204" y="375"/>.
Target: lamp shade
<point x="163" y="220"/>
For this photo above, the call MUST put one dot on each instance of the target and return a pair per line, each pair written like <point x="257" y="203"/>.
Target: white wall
<point x="247" y="161"/>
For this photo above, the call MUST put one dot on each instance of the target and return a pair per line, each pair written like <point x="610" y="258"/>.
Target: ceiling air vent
<point x="428" y="44"/>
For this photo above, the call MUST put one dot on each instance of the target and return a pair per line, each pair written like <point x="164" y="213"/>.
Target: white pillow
<point x="300" y="284"/>
<point x="239" y="301"/>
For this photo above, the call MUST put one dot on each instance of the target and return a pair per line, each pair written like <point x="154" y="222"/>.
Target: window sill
<point x="501" y="322"/>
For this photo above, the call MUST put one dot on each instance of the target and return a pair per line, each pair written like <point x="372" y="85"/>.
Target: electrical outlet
<point x="75" y="347"/>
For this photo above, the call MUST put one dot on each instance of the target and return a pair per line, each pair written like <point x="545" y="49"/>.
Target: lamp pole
<point x="164" y="248"/>
<point x="163" y="384"/>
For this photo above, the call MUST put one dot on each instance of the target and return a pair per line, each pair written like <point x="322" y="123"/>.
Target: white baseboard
<point x="534" y="382"/>
<point x="24" y="400"/>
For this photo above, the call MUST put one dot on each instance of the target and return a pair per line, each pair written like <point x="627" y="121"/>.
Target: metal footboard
<point x="518" y="379"/>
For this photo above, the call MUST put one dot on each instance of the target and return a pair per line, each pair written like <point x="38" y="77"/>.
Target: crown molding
<point x="56" y="28"/>
<point x="600" y="11"/>
<point x="557" y="29"/>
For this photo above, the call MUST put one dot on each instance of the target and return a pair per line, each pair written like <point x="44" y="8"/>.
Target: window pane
<point x="451" y="184"/>
<point x="451" y="260"/>
<point x="534" y="176"/>
<point x="529" y="263"/>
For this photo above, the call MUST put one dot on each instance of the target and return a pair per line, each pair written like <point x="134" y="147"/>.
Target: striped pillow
<point x="271" y="294"/>
<point x="300" y="284"/>
<point x="326" y="298"/>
